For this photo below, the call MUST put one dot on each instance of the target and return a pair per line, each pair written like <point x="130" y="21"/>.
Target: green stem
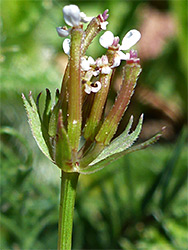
<point x="67" y="201"/>
<point x="75" y="90"/>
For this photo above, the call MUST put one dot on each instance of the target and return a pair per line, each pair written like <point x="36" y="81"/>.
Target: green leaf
<point x="37" y="104"/>
<point x="53" y="120"/>
<point x="94" y="167"/>
<point x="47" y="109"/>
<point x="62" y="149"/>
<point x="44" y="119"/>
<point x="12" y="132"/>
<point x="163" y="179"/>
<point x="35" y="124"/>
<point x="122" y="142"/>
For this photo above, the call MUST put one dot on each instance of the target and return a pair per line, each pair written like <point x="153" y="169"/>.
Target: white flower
<point x="62" y="31"/>
<point x="103" y="19"/>
<point x="86" y="63"/>
<point x="84" y="18"/>
<point x="129" y="40"/>
<point x="103" y="25"/>
<point x="66" y="46"/>
<point x="106" y="39"/>
<point x="73" y="16"/>
<point x="102" y="66"/>
<point x="93" y="87"/>
<point x="87" y="89"/>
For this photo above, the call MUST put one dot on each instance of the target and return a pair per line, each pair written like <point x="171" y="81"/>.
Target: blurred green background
<point x="138" y="202"/>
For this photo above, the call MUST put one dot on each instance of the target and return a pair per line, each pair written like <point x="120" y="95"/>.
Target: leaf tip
<point x="142" y="116"/>
<point x="38" y="97"/>
<point x="131" y="118"/>
<point x="163" y="129"/>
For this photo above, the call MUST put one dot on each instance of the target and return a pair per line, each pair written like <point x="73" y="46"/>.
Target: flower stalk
<point x="109" y="127"/>
<point x="74" y="90"/>
<point x="94" y="120"/>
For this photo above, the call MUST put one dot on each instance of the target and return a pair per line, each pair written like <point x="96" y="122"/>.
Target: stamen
<point x="105" y="15"/>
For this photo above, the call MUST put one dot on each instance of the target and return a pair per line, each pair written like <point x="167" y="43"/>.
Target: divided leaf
<point x="94" y="167"/>
<point x="122" y="142"/>
<point x="35" y="125"/>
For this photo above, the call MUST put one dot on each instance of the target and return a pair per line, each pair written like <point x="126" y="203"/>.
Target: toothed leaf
<point x="92" y="168"/>
<point x="35" y="125"/>
<point x="37" y="104"/>
<point x="122" y="142"/>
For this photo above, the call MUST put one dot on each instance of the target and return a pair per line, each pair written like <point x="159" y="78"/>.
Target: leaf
<point x="170" y="166"/>
<point x="53" y="120"/>
<point x="92" y="168"/>
<point x="163" y="179"/>
<point x="11" y="226"/>
<point x="122" y="142"/>
<point x="37" y="104"/>
<point x="47" y="108"/>
<point x="12" y="132"/>
<point x="62" y="149"/>
<point x="35" y="125"/>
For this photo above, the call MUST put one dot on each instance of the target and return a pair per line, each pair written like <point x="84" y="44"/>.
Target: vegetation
<point x="138" y="202"/>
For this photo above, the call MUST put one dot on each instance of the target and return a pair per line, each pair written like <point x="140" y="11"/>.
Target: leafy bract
<point x="94" y="167"/>
<point x="35" y="124"/>
<point x="122" y="142"/>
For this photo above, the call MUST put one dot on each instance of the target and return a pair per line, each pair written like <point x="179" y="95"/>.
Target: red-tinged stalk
<point x="92" y="125"/>
<point x="86" y="107"/>
<point x="75" y="90"/>
<point x="63" y="98"/>
<point x="93" y="28"/>
<point x="109" y="127"/>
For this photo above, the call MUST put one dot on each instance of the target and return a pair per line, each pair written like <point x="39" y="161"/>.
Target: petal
<point x="97" y="88"/>
<point x="91" y="60"/>
<point x="87" y="89"/>
<point x="104" y="59"/>
<point x="85" y="64"/>
<point x="106" y="70"/>
<point x="72" y="15"/>
<point x="88" y="75"/>
<point x="106" y="39"/>
<point x="105" y="15"/>
<point x="130" y="39"/>
<point x="99" y="62"/>
<point x="103" y="25"/>
<point x="84" y="18"/>
<point x="96" y="72"/>
<point x="123" y="56"/>
<point x="117" y="60"/>
<point x="66" y="46"/>
<point x="62" y="32"/>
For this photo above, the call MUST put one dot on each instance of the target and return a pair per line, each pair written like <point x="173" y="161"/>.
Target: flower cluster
<point x="73" y="17"/>
<point x="74" y="133"/>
